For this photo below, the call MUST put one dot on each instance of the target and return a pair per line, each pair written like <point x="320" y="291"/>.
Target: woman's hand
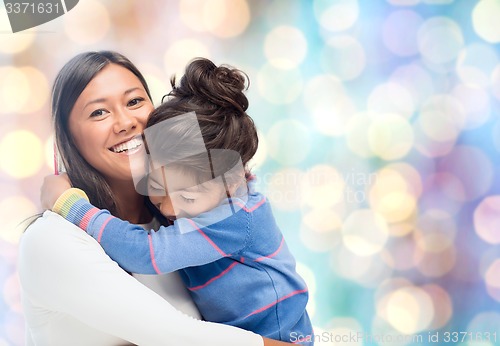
<point x="53" y="187"/>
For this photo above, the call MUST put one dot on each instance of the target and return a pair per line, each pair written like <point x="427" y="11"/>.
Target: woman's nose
<point x="124" y="121"/>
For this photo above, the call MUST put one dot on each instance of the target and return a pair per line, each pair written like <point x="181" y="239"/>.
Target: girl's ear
<point x="233" y="187"/>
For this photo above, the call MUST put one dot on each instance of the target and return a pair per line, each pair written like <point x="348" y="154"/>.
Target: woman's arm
<point x="63" y="269"/>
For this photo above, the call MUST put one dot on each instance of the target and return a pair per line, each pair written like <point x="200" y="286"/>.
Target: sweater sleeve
<point x="64" y="270"/>
<point x="142" y="251"/>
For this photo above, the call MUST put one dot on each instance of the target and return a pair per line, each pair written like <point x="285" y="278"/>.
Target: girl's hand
<point x="53" y="187"/>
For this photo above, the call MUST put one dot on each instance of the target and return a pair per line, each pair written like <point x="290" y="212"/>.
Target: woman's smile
<point x="128" y="147"/>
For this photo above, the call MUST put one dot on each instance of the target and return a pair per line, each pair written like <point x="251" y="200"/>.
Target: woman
<point x="73" y="293"/>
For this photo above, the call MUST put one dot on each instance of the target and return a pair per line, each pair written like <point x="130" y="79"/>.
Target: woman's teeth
<point x="132" y="144"/>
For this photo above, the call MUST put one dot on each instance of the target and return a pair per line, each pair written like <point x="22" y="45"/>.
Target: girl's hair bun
<point x="222" y="86"/>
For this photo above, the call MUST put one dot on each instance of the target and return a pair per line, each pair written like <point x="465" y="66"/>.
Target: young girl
<point x="222" y="234"/>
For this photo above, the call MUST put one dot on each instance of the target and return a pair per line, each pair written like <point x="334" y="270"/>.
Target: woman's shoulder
<point x="49" y="238"/>
<point x="54" y="250"/>
<point x="47" y="228"/>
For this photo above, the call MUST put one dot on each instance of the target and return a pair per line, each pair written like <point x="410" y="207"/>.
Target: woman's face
<point x="107" y="120"/>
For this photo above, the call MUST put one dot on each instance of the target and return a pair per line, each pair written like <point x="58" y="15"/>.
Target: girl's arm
<point x="62" y="269"/>
<point x="137" y="250"/>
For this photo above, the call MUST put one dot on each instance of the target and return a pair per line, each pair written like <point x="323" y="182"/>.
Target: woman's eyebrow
<point x="103" y="99"/>
<point x="131" y="90"/>
<point x="94" y="101"/>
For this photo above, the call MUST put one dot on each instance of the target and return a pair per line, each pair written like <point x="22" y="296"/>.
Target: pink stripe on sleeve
<point x="208" y="239"/>
<point x="224" y="272"/>
<point x="249" y="210"/>
<point x="152" y="253"/>
<point x="274" y="253"/>
<point x="84" y="222"/>
<point x="276" y="302"/>
<point x="101" y="230"/>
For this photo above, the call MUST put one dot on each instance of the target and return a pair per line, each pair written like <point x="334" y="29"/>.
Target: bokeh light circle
<point x="399" y="32"/>
<point x="408" y="309"/>
<point x="223" y="18"/>
<point x="442" y="118"/>
<point x="476" y="104"/>
<point x="22" y="90"/>
<point x="336" y="16"/>
<point x="495" y="82"/>
<point x="368" y="271"/>
<point x="21" y="154"/>
<point x="320" y="230"/>
<point x="285" y="47"/>
<point x="485" y="20"/>
<point x="180" y="52"/>
<point x="14" y="210"/>
<point x="398" y="253"/>
<point x="344" y="57"/>
<point x="226" y="18"/>
<point x="356" y="134"/>
<point x="91" y="15"/>
<point x="472" y="167"/>
<point x="283" y="188"/>
<point x="329" y="105"/>
<point x="12" y="43"/>
<point x="485" y="322"/>
<point x="390" y="136"/>
<point x="391" y="98"/>
<point x="288" y="142"/>
<point x="364" y="232"/>
<point x="495" y="134"/>
<point x="476" y="63"/>
<point x="279" y="86"/>
<point x="323" y="187"/>
<point x="14" y="89"/>
<point x="435" y="230"/>
<point x="492" y="280"/>
<point x="435" y="264"/>
<point x="430" y="147"/>
<point x="391" y="196"/>
<point x="443" y="191"/>
<point x="413" y="79"/>
<point x="440" y="40"/>
<point x="487" y="219"/>
<point x="443" y="305"/>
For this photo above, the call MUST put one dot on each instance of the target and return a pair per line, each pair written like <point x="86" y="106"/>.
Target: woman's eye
<point x="135" y="102"/>
<point x="98" y="113"/>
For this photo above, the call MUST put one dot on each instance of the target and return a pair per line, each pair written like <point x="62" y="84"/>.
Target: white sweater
<point x="74" y="294"/>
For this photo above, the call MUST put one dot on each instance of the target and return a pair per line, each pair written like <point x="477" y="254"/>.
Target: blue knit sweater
<point x="233" y="260"/>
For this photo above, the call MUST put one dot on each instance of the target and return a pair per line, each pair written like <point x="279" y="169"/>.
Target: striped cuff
<point x="67" y="200"/>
